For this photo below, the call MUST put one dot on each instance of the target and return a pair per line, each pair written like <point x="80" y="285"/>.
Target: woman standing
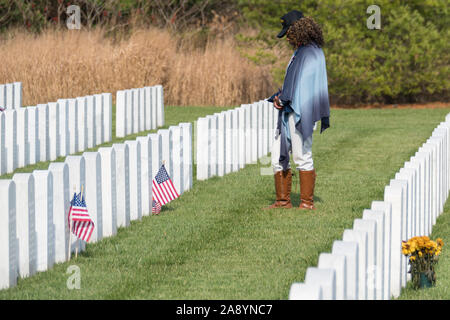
<point x="302" y="101"/>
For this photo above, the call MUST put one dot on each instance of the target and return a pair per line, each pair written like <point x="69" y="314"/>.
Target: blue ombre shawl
<point x="304" y="92"/>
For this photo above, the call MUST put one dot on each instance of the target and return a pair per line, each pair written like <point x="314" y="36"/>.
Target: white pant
<point x="301" y="150"/>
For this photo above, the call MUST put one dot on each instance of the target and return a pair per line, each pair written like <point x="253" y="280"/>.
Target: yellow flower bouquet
<point x="423" y="254"/>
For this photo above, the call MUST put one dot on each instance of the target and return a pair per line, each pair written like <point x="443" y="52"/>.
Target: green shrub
<point x="405" y="61"/>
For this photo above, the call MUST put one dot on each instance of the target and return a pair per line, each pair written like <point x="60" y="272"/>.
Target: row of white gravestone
<point x="117" y="180"/>
<point x="11" y="95"/>
<point x="139" y="110"/>
<point x="227" y="141"/>
<point x="367" y="263"/>
<point x="47" y="131"/>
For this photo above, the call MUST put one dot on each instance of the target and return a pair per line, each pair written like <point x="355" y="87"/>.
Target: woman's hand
<point x="277" y="103"/>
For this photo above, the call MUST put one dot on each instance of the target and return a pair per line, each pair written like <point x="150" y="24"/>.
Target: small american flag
<point x="82" y="225"/>
<point x="162" y="187"/>
<point x="156" y="207"/>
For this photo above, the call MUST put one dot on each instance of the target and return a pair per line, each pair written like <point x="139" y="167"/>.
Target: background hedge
<point x="407" y="60"/>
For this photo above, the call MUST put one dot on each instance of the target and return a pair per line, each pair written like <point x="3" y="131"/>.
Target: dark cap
<point x="287" y="20"/>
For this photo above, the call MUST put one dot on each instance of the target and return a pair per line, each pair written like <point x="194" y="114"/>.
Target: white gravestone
<point x="260" y="131"/>
<point x="186" y="128"/>
<point x="73" y="126"/>
<point x="271" y="125"/>
<point x="303" y="291"/>
<point x="3" y="96"/>
<point x="254" y="128"/>
<point x="228" y="141"/>
<point x="369" y="227"/>
<point x="156" y="143"/>
<point x="33" y="134"/>
<point x="134" y="148"/>
<point x="136" y="103"/>
<point x="141" y="109"/>
<point x="403" y="259"/>
<point x="82" y="124"/>
<point x="64" y="133"/>
<point x="8" y="239"/>
<point x="153" y="107"/>
<point x="148" y="108"/>
<point x="434" y="150"/>
<point x="90" y="121"/>
<point x="43" y="187"/>
<point x="439" y="139"/>
<point x="121" y="114"/>
<point x="248" y="133"/>
<point x="53" y="127"/>
<point x="326" y="278"/>
<point x="438" y="174"/>
<point x="220" y="144"/>
<point x="415" y="204"/>
<point x="25" y="224"/>
<point x="430" y="152"/>
<point x="202" y="148"/>
<point x="378" y="218"/>
<point x="99" y="137"/>
<point x="241" y="137"/>
<point x="77" y="178"/>
<point x="385" y="208"/>
<point x="349" y="249"/>
<point x="417" y="166"/>
<point x="420" y="162"/>
<point x="93" y="193"/>
<point x="10" y="96"/>
<point x="426" y="157"/>
<point x="129" y="111"/>
<point x="394" y="195"/>
<point x="338" y="263"/>
<point x="146" y="174"/>
<point x="123" y="184"/>
<point x="443" y="131"/>
<point x="235" y="134"/>
<point x="160" y="106"/>
<point x="22" y="138"/>
<point x="109" y="196"/>
<point x="409" y="175"/>
<point x="107" y="117"/>
<point x="265" y="127"/>
<point x="166" y="138"/>
<point x="212" y="145"/>
<point x="359" y="237"/>
<point x="17" y="95"/>
<point x="44" y="143"/>
<point x="177" y="158"/>
<point x="61" y="205"/>
<point x="11" y="139"/>
<point x="2" y="144"/>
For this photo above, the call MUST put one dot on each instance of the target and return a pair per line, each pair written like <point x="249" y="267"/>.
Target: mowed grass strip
<point x="215" y="242"/>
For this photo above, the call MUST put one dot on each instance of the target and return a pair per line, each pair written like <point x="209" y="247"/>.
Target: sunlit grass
<point x="215" y="242"/>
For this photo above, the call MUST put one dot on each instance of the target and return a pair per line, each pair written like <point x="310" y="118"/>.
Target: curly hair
<point x="305" y="31"/>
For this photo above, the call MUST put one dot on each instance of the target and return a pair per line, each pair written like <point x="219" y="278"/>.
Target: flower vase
<point x="424" y="282"/>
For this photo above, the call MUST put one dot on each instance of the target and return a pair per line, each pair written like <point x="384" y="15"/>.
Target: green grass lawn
<point x="215" y="242"/>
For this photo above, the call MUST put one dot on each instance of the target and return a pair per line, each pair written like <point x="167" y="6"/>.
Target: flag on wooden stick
<point x="156" y="207"/>
<point x="82" y="225"/>
<point x="162" y="187"/>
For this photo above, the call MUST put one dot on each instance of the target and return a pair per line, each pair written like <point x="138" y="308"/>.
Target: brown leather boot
<point x="283" y="184"/>
<point x="307" y="184"/>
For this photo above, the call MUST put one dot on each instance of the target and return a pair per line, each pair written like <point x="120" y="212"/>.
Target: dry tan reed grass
<point x="72" y="63"/>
